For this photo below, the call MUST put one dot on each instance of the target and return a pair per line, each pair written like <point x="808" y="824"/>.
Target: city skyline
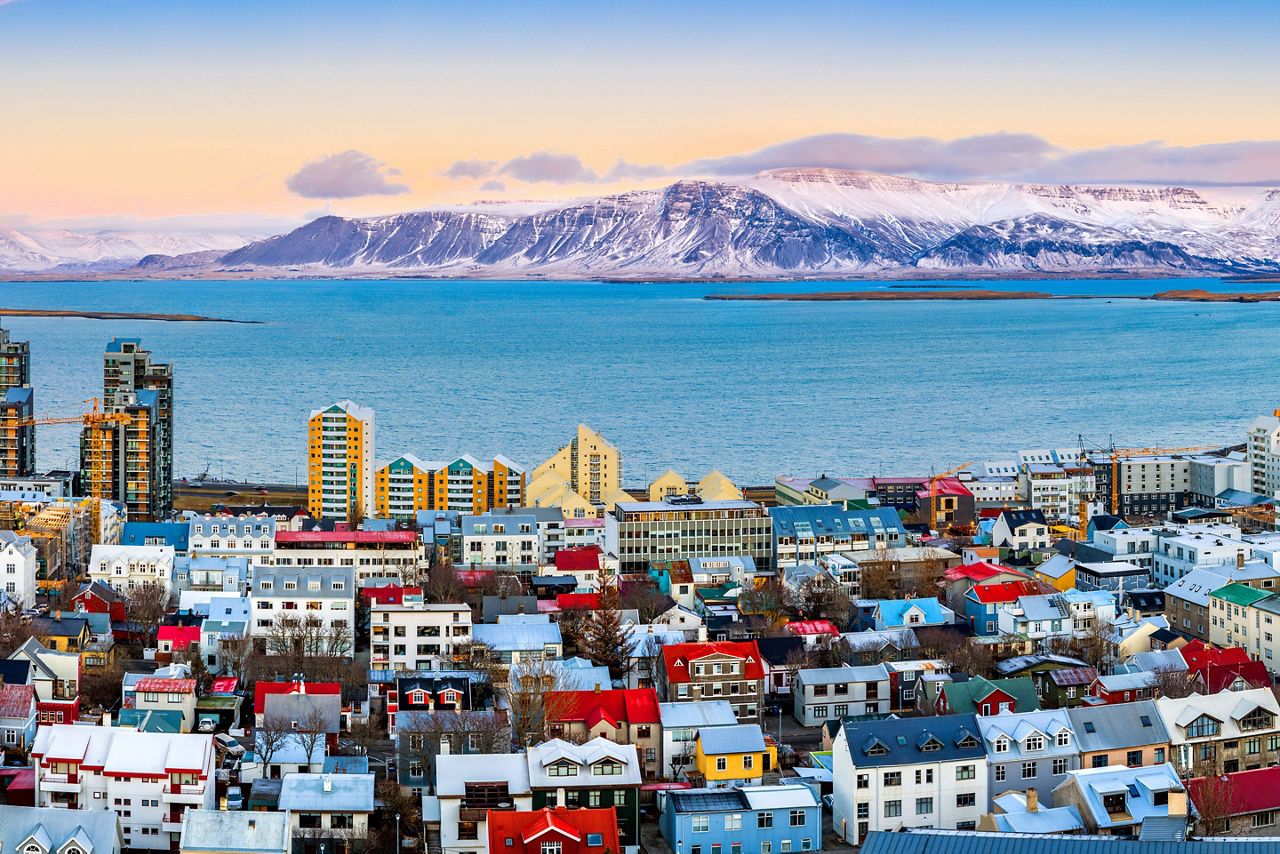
<point x="243" y="114"/>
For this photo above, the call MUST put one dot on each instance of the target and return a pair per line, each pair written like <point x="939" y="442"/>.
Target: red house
<point x="715" y="670"/>
<point x="389" y="594"/>
<point x="562" y="830"/>
<point x="581" y="559"/>
<point x="99" y="598"/>
<point x="262" y="689"/>
<point x="623" y="716"/>
<point x="1230" y="677"/>
<point x="981" y="696"/>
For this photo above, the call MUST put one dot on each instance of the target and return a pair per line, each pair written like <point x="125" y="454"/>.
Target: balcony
<point x="51" y="782"/>
<point x="171" y="823"/>
<point x="175" y="793"/>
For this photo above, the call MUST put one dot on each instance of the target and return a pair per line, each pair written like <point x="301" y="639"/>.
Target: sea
<point x="753" y="389"/>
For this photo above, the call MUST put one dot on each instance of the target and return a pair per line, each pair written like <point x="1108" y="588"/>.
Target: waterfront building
<point x="1149" y="485"/>
<point x="804" y="533"/>
<point x="591" y="466"/>
<point x="713" y="487"/>
<point x="17" y="405"/>
<point x="469" y="485"/>
<point x="403" y="487"/>
<point x="341" y="441"/>
<point x="1263" y="450"/>
<point x="822" y="490"/>
<point x="639" y="532"/>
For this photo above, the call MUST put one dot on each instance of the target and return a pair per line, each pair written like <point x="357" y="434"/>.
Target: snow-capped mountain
<point x="789" y="223"/>
<point x="36" y="249"/>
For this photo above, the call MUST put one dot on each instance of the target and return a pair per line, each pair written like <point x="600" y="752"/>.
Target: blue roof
<point x="892" y="612"/>
<point x="742" y="738"/>
<point x="974" y="842"/>
<point x="347" y="793"/>
<point x="18" y="395"/>
<point x="809" y="520"/>
<point x="116" y="344"/>
<point x="175" y="534"/>
<point x="903" y="740"/>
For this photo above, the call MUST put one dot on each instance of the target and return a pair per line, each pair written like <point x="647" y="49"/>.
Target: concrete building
<point x="367" y="554"/>
<point x="403" y="488"/>
<point x="639" y="532"/>
<point x="589" y="464"/>
<point x="324" y="596"/>
<point x="728" y="670"/>
<point x="148" y="779"/>
<point x="1212" y="476"/>
<point x="805" y="533"/>
<point x="1149" y="485"/>
<point x="340" y="447"/>
<point x="123" y="568"/>
<point x="508" y="542"/>
<point x="1197" y="547"/>
<point x="1057" y="488"/>
<point x="1262" y="447"/>
<point x="469" y="485"/>
<point x="418" y="635"/>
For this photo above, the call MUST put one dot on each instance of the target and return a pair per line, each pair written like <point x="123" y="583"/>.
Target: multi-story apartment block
<point x="909" y="772"/>
<point x="1244" y="616"/>
<point x="366" y="554"/>
<point x="340" y="461"/>
<point x="1212" y="476"/>
<point x="251" y="537"/>
<point x="642" y="531"/>
<point x="17" y="433"/>
<point x="125" y="567"/>
<point x="403" y="488"/>
<point x="1196" y="547"/>
<point x="1186" y="601"/>
<point x="283" y="597"/>
<point x="469" y="485"/>
<point x="1262" y="446"/>
<point x="15" y="362"/>
<point x="1150" y="485"/>
<point x="1222" y="733"/>
<point x="1029" y="750"/>
<point x="825" y="693"/>
<point x="1133" y="545"/>
<point x="134" y="455"/>
<point x="805" y="533"/>
<point x="17" y="570"/>
<point x="507" y="541"/>
<point x="591" y="466"/>
<point x="1057" y="488"/>
<point x="149" y="779"/>
<point x="721" y="670"/>
<point x="418" y="636"/>
<point x="755" y="818"/>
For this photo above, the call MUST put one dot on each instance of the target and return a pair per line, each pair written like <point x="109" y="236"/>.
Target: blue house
<point x="804" y="532"/>
<point x="886" y="614"/>
<point x="176" y="534"/>
<point x="743" y="820"/>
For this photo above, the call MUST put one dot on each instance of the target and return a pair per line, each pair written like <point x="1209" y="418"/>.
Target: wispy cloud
<point x="470" y="169"/>
<point x="345" y="176"/>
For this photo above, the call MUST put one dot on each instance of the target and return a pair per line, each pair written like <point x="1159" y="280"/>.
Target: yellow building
<point x="590" y="465"/>
<point x="717" y="487"/>
<point x="403" y="487"/>
<point x="549" y="489"/>
<point x="470" y="486"/>
<point x="1059" y="572"/>
<point x="734" y="755"/>
<point x="668" y="485"/>
<point x="713" y="487"/>
<point x="340" y="443"/>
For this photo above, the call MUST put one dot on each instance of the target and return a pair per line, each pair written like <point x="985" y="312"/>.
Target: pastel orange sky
<point x="157" y="109"/>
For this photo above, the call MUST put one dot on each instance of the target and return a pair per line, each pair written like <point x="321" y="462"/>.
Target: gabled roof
<point x="980" y="571"/>
<point x="581" y="559"/>
<point x="967" y="697"/>
<point x="700" y="713"/>
<point x="1005" y="591"/>
<point x="17" y="701"/>
<point x="262" y="689"/>
<point x="1244" y="791"/>
<point x="1219" y="677"/>
<point x="1117" y="726"/>
<point x="1017" y="518"/>
<point x="166" y="686"/>
<point x="327" y="793"/>
<point x="903" y="740"/>
<point x="741" y="738"/>
<point x="678" y="658"/>
<point x="812" y="627"/>
<point x="1199" y="656"/>
<point x="635" y="706"/>
<point x="580" y="825"/>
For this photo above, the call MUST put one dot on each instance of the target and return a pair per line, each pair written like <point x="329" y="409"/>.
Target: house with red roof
<point x="262" y="690"/>
<point x="158" y="694"/>
<point x="951" y="501"/>
<point x="98" y="598"/>
<point x="171" y="639"/>
<point x="18" y="717"/>
<point x="1247" y="803"/>
<point x="1199" y="655"/>
<point x="957" y="580"/>
<point x="715" y="670"/>
<point x="985" y="599"/>
<point x="812" y="631"/>
<point x="554" y="831"/>
<point x="1230" y="677"/>
<point x="570" y="602"/>
<point x="624" y="716"/>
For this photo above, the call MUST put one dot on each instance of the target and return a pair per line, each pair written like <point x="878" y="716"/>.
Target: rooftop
<point x="327" y="792"/>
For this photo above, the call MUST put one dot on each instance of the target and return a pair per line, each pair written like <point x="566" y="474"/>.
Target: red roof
<point x="1198" y="656"/>
<point x="581" y="559"/>
<point x="474" y="577"/>
<point x="16" y="700"/>
<point x="578" y="601"/>
<point x="262" y="689"/>
<point x="224" y="685"/>
<point x="813" y="627"/>
<point x="181" y="636"/>
<point x="1004" y="591"/>
<point x="346" y="537"/>
<point x="1218" y="677"/>
<point x="678" y="656"/>
<point x="945" y="486"/>
<point x="1244" y="791"/>
<point x="980" y="571"/>
<point x="633" y="705"/>
<point x="532" y="828"/>
<point x="159" y="685"/>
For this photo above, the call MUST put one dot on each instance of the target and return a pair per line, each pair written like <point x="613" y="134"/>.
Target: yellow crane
<point x="1117" y="453"/>
<point x="934" y="521"/>
<point x="99" y="424"/>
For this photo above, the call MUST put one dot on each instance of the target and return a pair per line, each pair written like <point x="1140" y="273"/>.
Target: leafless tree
<point x="1214" y="799"/>
<point x="421" y="734"/>
<point x="647" y="655"/>
<point x="367" y="733"/>
<point x="234" y="652"/>
<point x="299" y="639"/>
<point x="270" y="738"/>
<point x="145" y="606"/>
<point x="645" y="599"/>
<point x="878" y="575"/>
<point x="1168" y="681"/>
<point x="194" y="660"/>
<point x="821" y="598"/>
<point x="100" y="687"/>
<point x="312" y="730"/>
<point x="531" y="692"/>
<point x="443" y="584"/>
<point x="15" y="630"/>
<point x="770" y="601"/>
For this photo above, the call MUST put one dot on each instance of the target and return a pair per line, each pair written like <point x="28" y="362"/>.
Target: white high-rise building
<point x="1263" y="448"/>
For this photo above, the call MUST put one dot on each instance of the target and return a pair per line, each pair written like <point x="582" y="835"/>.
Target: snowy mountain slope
<point x="793" y="222"/>
<point x="34" y="249"/>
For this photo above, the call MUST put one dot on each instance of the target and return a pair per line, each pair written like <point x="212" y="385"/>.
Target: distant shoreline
<point x="116" y="315"/>
<point x="1189" y="295"/>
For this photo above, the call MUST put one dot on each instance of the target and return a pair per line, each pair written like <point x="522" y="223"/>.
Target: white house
<point x="18" y="568"/>
<point x="509" y="541"/>
<point x="148" y="778"/>
<point x="911" y="772"/>
<point x="325" y="594"/>
<point x="1021" y="530"/>
<point x="467" y="786"/>
<point x="823" y="693"/>
<point x="417" y="635"/>
<point x="251" y="537"/>
<point x="125" y="567"/>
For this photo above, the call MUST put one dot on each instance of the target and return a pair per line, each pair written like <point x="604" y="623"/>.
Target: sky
<point x="219" y="111"/>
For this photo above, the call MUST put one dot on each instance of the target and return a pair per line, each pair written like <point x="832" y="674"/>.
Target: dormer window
<point x="1035" y="742"/>
<point x="877" y="749"/>
<point x="449" y="696"/>
<point x="1002" y="745"/>
<point x="1204" y="726"/>
<point x="563" y="768"/>
<point x="418" y="698"/>
<point x="967" y="741"/>
<point x="265" y="585"/>
<point x="1064" y="738"/>
<point x="607" y="768"/>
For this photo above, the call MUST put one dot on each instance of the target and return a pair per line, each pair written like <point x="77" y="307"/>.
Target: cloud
<point x="1232" y="163"/>
<point x="345" y="176"/>
<point x="549" y="166"/>
<point x="471" y="169"/>
<point x="494" y="186"/>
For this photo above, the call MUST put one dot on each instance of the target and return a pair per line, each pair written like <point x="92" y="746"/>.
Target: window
<point x="893" y="778"/>
<point x="1159" y="751"/>
<point x="1133" y="759"/>
<point x="1028" y="770"/>
<point x="1064" y="739"/>
<point x="965" y="772"/>
<point x="864" y="810"/>
<point x="924" y="806"/>
<point x="1060" y="765"/>
<point x="1035" y="742"/>
<point x="1205" y="726"/>
<point x="1002" y="745"/>
<point x="1264" y="819"/>
<point x="733" y="821"/>
<point x="701" y="823"/>
<point x="968" y="799"/>
<point x="892" y="809"/>
<point x="766" y="847"/>
<point x="595" y="840"/>
<point x="999" y="773"/>
<point x="764" y="819"/>
<point x="864" y="781"/>
<point x="797" y="818"/>
<point x="722" y="764"/>
<point x="1253" y="746"/>
<point x="563" y="768"/>
<point x="551" y="847"/>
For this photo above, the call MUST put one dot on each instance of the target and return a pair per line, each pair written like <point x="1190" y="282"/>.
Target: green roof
<point x="218" y="703"/>
<point x="963" y="697"/>
<point x="151" y="720"/>
<point x="1239" y="594"/>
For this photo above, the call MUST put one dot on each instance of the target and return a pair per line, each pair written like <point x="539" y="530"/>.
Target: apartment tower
<point x="591" y="466"/>
<point x="340" y="468"/>
<point x="17" y="440"/>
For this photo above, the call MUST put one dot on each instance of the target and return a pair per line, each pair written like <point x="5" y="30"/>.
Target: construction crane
<point x="933" y="494"/>
<point x="99" y="424"/>
<point x="1117" y="453"/>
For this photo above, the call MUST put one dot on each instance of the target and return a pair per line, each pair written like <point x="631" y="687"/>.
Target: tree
<point x="145" y="606"/>
<point x="234" y="652"/>
<point x="366" y="733"/>
<point x="420" y="735"/>
<point x="270" y="738"/>
<point x="1214" y="804"/>
<point x="1093" y="645"/>
<point x="604" y="640"/>
<point x="769" y="601"/>
<point x="1169" y="681"/>
<point x="15" y="630"/>
<point x="647" y="655"/>
<point x="531" y="691"/>
<point x="877" y="575"/>
<point x="645" y="599"/>
<point x="443" y="584"/>
<point x="199" y="672"/>
<point x="395" y="802"/>
<point x="297" y="640"/>
<point x="821" y="598"/>
<point x="312" y="729"/>
<point x="100" y="686"/>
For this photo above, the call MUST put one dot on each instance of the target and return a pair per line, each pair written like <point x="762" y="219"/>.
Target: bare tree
<point x="1214" y="801"/>
<point x="420" y="735"/>
<point x="878" y="575"/>
<point x="443" y="584"/>
<point x="194" y="660"/>
<point x="234" y="652"/>
<point x="312" y="730"/>
<point x="647" y="656"/>
<point x="770" y="601"/>
<point x="530" y="691"/>
<point x="821" y="598"/>
<point x="270" y="738"/>
<point x="1169" y="681"/>
<point x="367" y="733"/>
<point x="145" y="606"/>
<point x="645" y="599"/>
<point x="1094" y="645"/>
<point x="298" y="640"/>
<point x="100" y="687"/>
<point x="15" y="630"/>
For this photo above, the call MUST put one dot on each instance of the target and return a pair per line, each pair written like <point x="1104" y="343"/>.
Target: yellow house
<point x="1059" y="572"/>
<point x="717" y="487"/>
<point x="734" y="755"/>
<point x="591" y="466"/>
<point x="62" y="631"/>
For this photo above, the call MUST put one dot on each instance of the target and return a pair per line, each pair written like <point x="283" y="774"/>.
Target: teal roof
<point x="965" y="697"/>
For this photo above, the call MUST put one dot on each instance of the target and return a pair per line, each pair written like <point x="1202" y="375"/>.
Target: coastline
<point x="117" y="315"/>
<point x="1189" y="295"/>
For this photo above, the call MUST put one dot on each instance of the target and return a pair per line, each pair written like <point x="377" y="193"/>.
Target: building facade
<point x="685" y="527"/>
<point x="418" y="635"/>
<point x="591" y="465"/>
<point x="341" y="442"/>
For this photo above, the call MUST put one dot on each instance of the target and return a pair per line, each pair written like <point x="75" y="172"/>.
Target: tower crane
<point x="98" y="423"/>
<point x="1117" y="453"/>
<point x="933" y="494"/>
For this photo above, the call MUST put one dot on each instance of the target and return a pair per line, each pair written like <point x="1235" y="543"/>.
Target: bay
<point x="754" y="389"/>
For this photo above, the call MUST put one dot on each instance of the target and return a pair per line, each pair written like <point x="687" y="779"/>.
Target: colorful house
<point x="623" y="716"/>
<point x="981" y="696"/>
<point x="742" y="820"/>
<point x="553" y="831"/>
<point x="17" y="717"/>
<point x="983" y="601"/>
<point x="734" y="755"/>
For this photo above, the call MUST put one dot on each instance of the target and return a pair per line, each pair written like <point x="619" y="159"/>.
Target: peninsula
<point x="1187" y="295"/>
<point x="116" y="315"/>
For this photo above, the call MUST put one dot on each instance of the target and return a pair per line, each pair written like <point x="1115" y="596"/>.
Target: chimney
<point x="1178" y="802"/>
<point x="1239" y="560"/>
<point x="328" y="783"/>
<point x="57" y="615"/>
<point x="106" y="719"/>
<point x="445" y="746"/>
<point x="1033" y="800"/>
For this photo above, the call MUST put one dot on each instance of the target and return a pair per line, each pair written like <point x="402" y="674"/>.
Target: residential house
<point x="905" y="679"/>
<point x="225" y="536"/>
<point x="1040" y="619"/>
<point x="819" y="694"/>
<point x="750" y="819"/>
<point x="169" y="695"/>
<point x="468" y="791"/>
<point x="781" y="656"/>
<point x="18" y="568"/>
<point x="900" y="773"/>
<point x="624" y="716"/>
<point x="1059" y="572"/>
<point x="583" y="563"/>
<point x="893" y="614"/>
<point x="957" y="580"/>
<point x="869" y="647"/>
<point x="645" y="643"/>
<point x="224" y="832"/>
<point x="728" y="670"/>
<point x="98" y="598"/>
<point x="681" y="723"/>
<point x="598" y="773"/>
<point x="418" y="635"/>
<point x="275" y="759"/>
<point x="1021" y="530"/>
<point x="327" y="812"/>
<point x="1118" y="801"/>
<point x="983" y="602"/>
<point x="1131" y="734"/>
<point x="18" y="717"/>
<point x="427" y="691"/>
<point x="520" y="637"/>
<point x="148" y="779"/>
<point x="56" y="677"/>
<point x="322" y="595"/>
<point x="1246" y="803"/>
<point x="1115" y="576"/>
<point x="1021" y="812"/>
<point x="554" y="831"/>
<point x="125" y="567"/>
<point x="263" y="690"/>
<point x="1064" y="688"/>
<point x="34" y="830"/>
<point x="981" y="696"/>
<point x="734" y="756"/>
<point x="1029" y="751"/>
<point x="1222" y="733"/>
<point x="506" y="542"/>
<point x="172" y="639"/>
<point x="944" y="503"/>
<point x="804" y="533"/>
<point x="422" y="737"/>
<point x="911" y="568"/>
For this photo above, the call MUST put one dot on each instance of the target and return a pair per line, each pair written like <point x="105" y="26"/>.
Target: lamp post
<point x="397" y="833"/>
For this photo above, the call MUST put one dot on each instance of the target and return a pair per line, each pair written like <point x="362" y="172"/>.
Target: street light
<point x="397" y="833"/>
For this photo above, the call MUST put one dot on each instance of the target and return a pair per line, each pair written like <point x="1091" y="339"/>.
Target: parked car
<point x="235" y="798"/>
<point x="226" y="743"/>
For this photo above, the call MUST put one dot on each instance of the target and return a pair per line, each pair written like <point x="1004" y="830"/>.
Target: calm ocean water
<point x="752" y="388"/>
